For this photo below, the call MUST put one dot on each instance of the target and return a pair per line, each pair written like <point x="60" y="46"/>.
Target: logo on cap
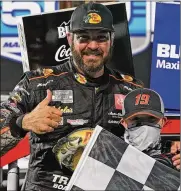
<point x="93" y="18"/>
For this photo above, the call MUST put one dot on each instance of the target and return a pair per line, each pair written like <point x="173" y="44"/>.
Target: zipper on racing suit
<point x="93" y="107"/>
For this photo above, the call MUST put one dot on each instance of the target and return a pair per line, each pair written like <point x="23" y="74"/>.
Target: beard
<point x="91" y="66"/>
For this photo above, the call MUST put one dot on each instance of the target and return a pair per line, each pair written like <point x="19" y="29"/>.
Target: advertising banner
<point x="165" y="68"/>
<point x="139" y="21"/>
<point x="43" y="39"/>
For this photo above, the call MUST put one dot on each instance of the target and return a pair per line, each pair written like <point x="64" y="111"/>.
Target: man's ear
<point x="112" y="38"/>
<point x="69" y="38"/>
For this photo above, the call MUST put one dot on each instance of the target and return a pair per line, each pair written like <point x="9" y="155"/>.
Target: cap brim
<point x="92" y="28"/>
<point x="152" y="113"/>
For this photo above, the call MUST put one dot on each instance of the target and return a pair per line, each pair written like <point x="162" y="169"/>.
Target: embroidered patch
<point x="80" y="78"/>
<point x="77" y="121"/>
<point x="127" y="78"/>
<point x="47" y="71"/>
<point x="119" y="98"/>
<point x="64" y="96"/>
<point x="93" y="18"/>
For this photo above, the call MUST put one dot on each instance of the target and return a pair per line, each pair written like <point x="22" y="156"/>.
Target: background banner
<point x="43" y="39"/>
<point x="165" y="68"/>
<point x="140" y="25"/>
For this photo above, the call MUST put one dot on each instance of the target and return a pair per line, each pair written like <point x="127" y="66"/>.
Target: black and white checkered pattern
<point x="108" y="163"/>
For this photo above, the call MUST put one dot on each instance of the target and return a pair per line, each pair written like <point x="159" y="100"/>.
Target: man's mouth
<point x="92" y="56"/>
<point x="92" y="53"/>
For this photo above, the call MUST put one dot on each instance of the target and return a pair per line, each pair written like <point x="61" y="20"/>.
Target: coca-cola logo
<point x="62" y="53"/>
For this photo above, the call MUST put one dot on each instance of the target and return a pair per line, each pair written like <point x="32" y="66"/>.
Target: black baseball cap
<point x="91" y="16"/>
<point x="143" y="101"/>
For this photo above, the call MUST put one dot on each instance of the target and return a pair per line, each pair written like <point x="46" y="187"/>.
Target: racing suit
<point x="84" y="103"/>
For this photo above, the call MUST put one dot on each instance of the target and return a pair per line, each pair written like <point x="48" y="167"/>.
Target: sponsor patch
<point x="127" y="78"/>
<point x="15" y="97"/>
<point x="4" y="113"/>
<point x="77" y="121"/>
<point x="115" y="115"/>
<point x="127" y="88"/>
<point x="60" y="182"/>
<point x="93" y="18"/>
<point x="68" y="150"/>
<point x="80" y="78"/>
<point x="45" y="84"/>
<point x="66" y="109"/>
<point x="119" y="98"/>
<point x="23" y="91"/>
<point x="64" y="96"/>
<point x="47" y="71"/>
<point x="13" y="107"/>
<point x="113" y="122"/>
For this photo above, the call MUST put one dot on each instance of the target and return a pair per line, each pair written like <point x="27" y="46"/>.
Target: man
<point x="61" y="105"/>
<point x="143" y="119"/>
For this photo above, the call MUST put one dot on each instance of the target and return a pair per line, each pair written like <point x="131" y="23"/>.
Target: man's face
<point x="91" y="50"/>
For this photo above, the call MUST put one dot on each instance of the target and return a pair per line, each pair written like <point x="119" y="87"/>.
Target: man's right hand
<point x="43" y="118"/>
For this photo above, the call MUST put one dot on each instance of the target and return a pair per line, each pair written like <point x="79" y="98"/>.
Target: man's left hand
<point x="175" y="149"/>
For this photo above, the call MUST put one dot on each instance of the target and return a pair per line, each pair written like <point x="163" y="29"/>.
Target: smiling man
<point x="91" y="50"/>
<point x="91" y="38"/>
<point x="60" y="106"/>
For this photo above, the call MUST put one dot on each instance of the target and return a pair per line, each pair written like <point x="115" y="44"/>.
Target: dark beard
<point x="90" y="70"/>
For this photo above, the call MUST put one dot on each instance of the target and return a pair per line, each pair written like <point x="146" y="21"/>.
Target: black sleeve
<point x="165" y="159"/>
<point x="12" y="111"/>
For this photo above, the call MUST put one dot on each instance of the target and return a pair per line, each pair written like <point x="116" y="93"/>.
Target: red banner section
<point x="172" y="126"/>
<point x="21" y="150"/>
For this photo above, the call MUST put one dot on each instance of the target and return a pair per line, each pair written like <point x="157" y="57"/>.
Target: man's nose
<point x="93" y="45"/>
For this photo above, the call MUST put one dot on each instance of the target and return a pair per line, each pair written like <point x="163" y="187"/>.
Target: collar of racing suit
<point x="102" y="81"/>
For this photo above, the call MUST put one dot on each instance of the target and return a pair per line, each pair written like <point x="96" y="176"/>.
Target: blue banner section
<point x="10" y="10"/>
<point x="165" y="74"/>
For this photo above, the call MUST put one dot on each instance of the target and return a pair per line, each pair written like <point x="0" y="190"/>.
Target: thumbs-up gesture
<point x="43" y="118"/>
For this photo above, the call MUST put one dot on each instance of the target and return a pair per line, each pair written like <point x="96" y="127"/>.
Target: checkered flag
<point x="108" y="163"/>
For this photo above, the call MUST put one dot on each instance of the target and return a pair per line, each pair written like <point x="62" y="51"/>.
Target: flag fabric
<point x="108" y="163"/>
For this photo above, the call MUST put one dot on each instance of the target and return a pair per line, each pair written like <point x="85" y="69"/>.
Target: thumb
<point x="47" y="100"/>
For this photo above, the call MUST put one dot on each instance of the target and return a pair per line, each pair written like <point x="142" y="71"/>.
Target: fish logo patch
<point x="93" y="18"/>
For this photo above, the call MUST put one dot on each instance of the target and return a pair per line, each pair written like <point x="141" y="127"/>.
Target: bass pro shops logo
<point x="10" y="10"/>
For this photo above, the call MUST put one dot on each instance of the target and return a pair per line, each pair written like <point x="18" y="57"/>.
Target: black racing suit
<point x="84" y="102"/>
